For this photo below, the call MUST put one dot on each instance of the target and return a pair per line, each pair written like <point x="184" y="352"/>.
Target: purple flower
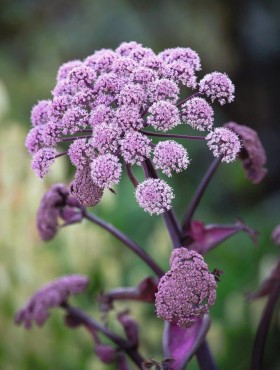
<point x="184" y="73"/>
<point x="42" y="161"/>
<point x="186" y="55"/>
<point x="163" y="89"/>
<point x="105" y="137"/>
<point x="198" y="114"/>
<point x="125" y="48"/>
<point x="154" y="196"/>
<point x="51" y="295"/>
<point x="187" y="290"/>
<point x="101" y="113"/>
<point x="224" y="143"/>
<point x="135" y="147"/>
<point x="138" y="53"/>
<point x="64" y="87"/>
<point x="123" y="66"/>
<point x="144" y="76"/>
<point x="170" y="156"/>
<point x="108" y="83"/>
<point x="40" y="113"/>
<point x="106" y="170"/>
<point x="82" y="76"/>
<point x="79" y="152"/>
<point x="252" y="153"/>
<point x="59" y="106"/>
<point x="218" y="86"/>
<point x="163" y="116"/>
<point x="128" y="117"/>
<point x="35" y="139"/>
<point x="132" y="94"/>
<point x="52" y="134"/>
<point x="66" y="68"/>
<point x="84" y="98"/>
<point x="84" y="189"/>
<point x="74" y="119"/>
<point x="157" y="65"/>
<point x="104" y="61"/>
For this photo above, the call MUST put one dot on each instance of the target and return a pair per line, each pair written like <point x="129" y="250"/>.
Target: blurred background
<point x="238" y="37"/>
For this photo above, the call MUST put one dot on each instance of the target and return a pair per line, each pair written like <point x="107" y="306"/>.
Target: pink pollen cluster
<point x="187" y="290"/>
<point x="170" y="156"/>
<point x="224" y="143"/>
<point x="154" y="196"/>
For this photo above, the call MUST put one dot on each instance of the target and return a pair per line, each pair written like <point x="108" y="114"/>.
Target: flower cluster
<point x="100" y="106"/>
<point x="187" y="290"/>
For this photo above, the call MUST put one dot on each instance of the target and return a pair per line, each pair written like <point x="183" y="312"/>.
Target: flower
<point x="79" y="152"/>
<point x="224" y="143"/>
<point x="66" y="68"/>
<point x="187" y="290"/>
<point x="170" y="156"/>
<point x="106" y="170"/>
<point x="218" y="86"/>
<point x="35" y="139"/>
<point x="105" y="137"/>
<point x="252" y="153"/>
<point x="154" y="196"/>
<point x="135" y="147"/>
<point x="51" y="295"/>
<point x="186" y="55"/>
<point x="40" y="113"/>
<point x="163" y="115"/>
<point x="42" y="161"/>
<point x="197" y="113"/>
<point x="163" y="89"/>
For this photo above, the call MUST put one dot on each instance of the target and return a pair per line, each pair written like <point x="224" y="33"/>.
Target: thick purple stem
<point x="128" y="242"/>
<point x="260" y="339"/>
<point x="172" y="136"/>
<point x="188" y="98"/>
<point x="199" y="193"/>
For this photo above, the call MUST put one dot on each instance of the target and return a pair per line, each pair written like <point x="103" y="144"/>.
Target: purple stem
<point x="169" y="217"/>
<point x="204" y="357"/>
<point x="61" y="154"/>
<point x="131" y="176"/>
<point x="176" y="136"/>
<point x="128" y="242"/>
<point x="199" y="193"/>
<point x="71" y="138"/>
<point x="260" y="339"/>
<point x="188" y="98"/>
<point x="93" y="325"/>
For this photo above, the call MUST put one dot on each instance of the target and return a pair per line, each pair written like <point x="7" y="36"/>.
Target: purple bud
<point x="130" y="327"/>
<point x="252" y="153"/>
<point x="51" y="295"/>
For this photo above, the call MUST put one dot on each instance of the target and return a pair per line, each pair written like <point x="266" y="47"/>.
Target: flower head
<point x="252" y="153"/>
<point x="198" y="114"/>
<point x="132" y="94"/>
<point x="101" y="113"/>
<point x="106" y="170"/>
<point x="51" y="295"/>
<point x="105" y="137"/>
<point x="128" y="117"/>
<point x="40" y="113"/>
<point x="186" y="55"/>
<point x="163" y="115"/>
<point x="154" y="196"/>
<point x="42" y="161"/>
<point x="35" y="139"/>
<point x="66" y="68"/>
<point x="135" y="147"/>
<point x="187" y="290"/>
<point x="80" y="152"/>
<point x="163" y="89"/>
<point x="218" y="86"/>
<point x="170" y="156"/>
<point x="224" y="143"/>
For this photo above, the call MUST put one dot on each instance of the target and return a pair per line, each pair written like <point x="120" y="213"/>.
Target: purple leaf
<point x="182" y="343"/>
<point x="202" y="238"/>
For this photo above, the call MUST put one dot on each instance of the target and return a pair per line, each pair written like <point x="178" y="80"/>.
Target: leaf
<point x="182" y="343"/>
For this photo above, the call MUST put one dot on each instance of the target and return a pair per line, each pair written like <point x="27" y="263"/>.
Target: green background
<point x="240" y="38"/>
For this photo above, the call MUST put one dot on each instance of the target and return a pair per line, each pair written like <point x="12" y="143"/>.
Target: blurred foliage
<point x="240" y="38"/>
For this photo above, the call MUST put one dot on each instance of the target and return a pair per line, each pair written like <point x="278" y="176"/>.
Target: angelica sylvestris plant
<point x="115" y="110"/>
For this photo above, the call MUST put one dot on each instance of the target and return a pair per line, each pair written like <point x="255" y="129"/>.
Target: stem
<point x="131" y="176"/>
<point x="169" y="217"/>
<point x="260" y="339"/>
<point x="204" y="357"/>
<point x="128" y="242"/>
<point x="61" y="154"/>
<point x="199" y="192"/>
<point x="176" y="136"/>
<point x="93" y="325"/>
<point x="188" y="98"/>
<point x="71" y="138"/>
